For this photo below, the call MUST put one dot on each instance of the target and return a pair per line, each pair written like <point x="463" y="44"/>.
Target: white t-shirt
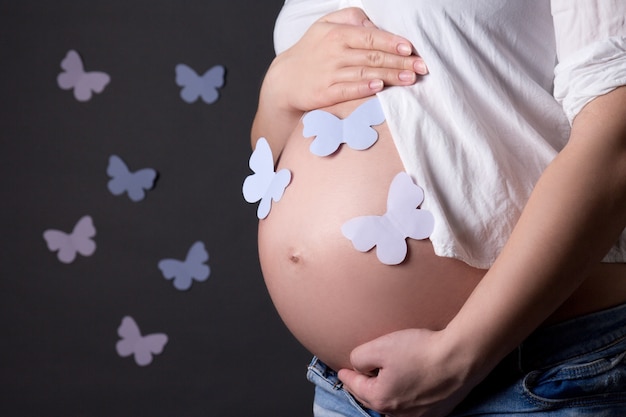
<point x="506" y="78"/>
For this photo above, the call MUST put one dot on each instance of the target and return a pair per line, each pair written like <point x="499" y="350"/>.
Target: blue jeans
<point x="574" y="368"/>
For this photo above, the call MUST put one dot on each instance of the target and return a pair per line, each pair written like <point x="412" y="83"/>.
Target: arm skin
<point x="574" y="215"/>
<point x="342" y="57"/>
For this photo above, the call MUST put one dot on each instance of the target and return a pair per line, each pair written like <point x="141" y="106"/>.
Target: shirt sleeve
<point x="591" y="50"/>
<point x="295" y="18"/>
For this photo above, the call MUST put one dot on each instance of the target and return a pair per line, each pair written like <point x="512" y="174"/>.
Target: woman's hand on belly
<point x="338" y="57"/>
<point x="342" y="57"/>
<point x="408" y="373"/>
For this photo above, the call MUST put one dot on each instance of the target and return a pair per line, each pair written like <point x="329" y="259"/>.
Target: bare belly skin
<point x="334" y="298"/>
<point x="331" y="296"/>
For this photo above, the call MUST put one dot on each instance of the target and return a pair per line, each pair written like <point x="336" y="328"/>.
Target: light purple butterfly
<point x="78" y="242"/>
<point x="75" y="77"/>
<point x="124" y="181"/>
<point x="193" y="268"/>
<point x="141" y="347"/>
<point x="389" y="232"/>
<point x="355" y="130"/>
<point x="195" y="86"/>
<point x="265" y="184"/>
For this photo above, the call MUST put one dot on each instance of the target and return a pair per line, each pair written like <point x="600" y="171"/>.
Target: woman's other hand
<point x="343" y="56"/>
<point x="410" y="373"/>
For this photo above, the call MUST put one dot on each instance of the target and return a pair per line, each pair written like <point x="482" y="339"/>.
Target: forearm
<point x="274" y="120"/>
<point x="576" y="212"/>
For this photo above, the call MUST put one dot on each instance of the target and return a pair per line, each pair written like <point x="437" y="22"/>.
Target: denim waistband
<point x="547" y="346"/>
<point x="553" y="344"/>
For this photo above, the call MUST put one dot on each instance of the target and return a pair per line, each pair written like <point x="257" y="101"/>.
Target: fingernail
<point x="420" y="67"/>
<point x="376" y="85"/>
<point x="404" y="49"/>
<point x="407" y="76"/>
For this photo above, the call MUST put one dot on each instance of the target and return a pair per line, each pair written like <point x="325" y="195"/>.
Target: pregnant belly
<point x="332" y="297"/>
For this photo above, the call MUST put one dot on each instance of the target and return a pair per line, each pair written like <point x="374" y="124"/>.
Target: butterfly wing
<point x="262" y="164"/>
<point x="264" y="184"/>
<point x="402" y="201"/>
<point x="134" y="183"/>
<point x="211" y="81"/>
<point x="129" y="333"/>
<point x="90" y="82"/>
<point x="275" y="192"/>
<point x="82" y="235"/>
<point x="365" y="232"/>
<point x="148" y="346"/>
<point x="61" y="242"/>
<point x="419" y="224"/>
<point x="357" y="128"/>
<point x="140" y="181"/>
<point x="389" y="232"/>
<point x="327" y="129"/>
<point x="195" y="265"/>
<point x="175" y="270"/>
<point x="142" y="347"/>
<point x="190" y="82"/>
<point x="72" y="67"/>
<point x="277" y="187"/>
<point x="391" y="245"/>
<point x="119" y="173"/>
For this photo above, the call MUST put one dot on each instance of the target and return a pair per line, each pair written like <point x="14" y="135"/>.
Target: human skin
<point x="548" y="271"/>
<point x="331" y="296"/>
<point x="551" y="254"/>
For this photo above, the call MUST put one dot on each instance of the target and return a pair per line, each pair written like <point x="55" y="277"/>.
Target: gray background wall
<point x="228" y="354"/>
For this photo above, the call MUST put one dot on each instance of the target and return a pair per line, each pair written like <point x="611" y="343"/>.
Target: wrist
<point x="473" y="349"/>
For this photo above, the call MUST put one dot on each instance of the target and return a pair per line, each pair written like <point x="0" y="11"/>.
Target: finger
<point x="357" y="384"/>
<point x="389" y="77"/>
<point x="376" y="38"/>
<point x="346" y="91"/>
<point x="370" y="357"/>
<point x="380" y="59"/>
<point x="371" y="38"/>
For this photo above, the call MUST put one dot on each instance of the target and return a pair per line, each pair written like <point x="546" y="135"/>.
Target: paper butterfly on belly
<point x="355" y="130"/>
<point x="68" y="245"/>
<point x="133" y="183"/>
<point x="389" y="232"/>
<point x="265" y="184"/>
<point x="195" y="86"/>
<point x="83" y="83"/>
<point x="192" y="268"/>
<point x="133" y="343"/>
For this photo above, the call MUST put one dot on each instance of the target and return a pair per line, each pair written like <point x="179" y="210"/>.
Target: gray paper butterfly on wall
<point x="196" y="86"/>
<point x="193" y="268"/>
<point x="75" y="77"/>
<point x="142" y="348"/>
<point x="124" y="181"/>
<point x="68" y="245"/>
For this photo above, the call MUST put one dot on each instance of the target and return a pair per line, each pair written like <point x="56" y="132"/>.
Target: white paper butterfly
<point x="68" y="245"/>
<point x="83" y="83"/>
<point x="134" y="183"/>
<point x="133" y="343"/>
<point x="389" y="232"/>
<point x="192" y="268"/>
<point x="355" y="130"/>
<point x="265" y="184"/>
<point x="195" y="86"/>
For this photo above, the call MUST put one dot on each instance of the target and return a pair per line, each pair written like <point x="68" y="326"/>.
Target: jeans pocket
<point x="587" y="380"/>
